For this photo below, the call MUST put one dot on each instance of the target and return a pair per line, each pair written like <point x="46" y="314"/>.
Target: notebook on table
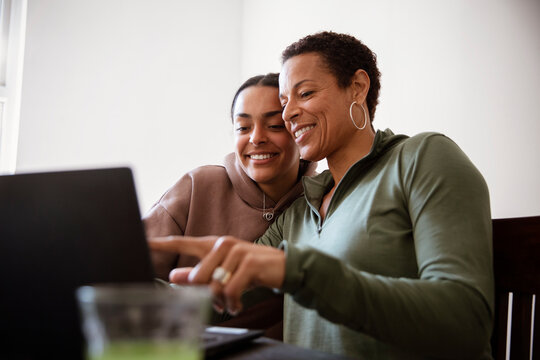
<point x="61" y="230"/>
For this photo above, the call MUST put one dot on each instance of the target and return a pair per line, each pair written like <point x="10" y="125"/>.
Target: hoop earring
<point x="365" y="116"/>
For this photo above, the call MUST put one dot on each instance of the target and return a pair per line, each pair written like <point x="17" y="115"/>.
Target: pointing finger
<point x="180" y="275"/>
<point x="188" y="245"/>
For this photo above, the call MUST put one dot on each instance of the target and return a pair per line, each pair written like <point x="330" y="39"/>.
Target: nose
<point x="290" y="111"/>
<point x="258" y="135"/>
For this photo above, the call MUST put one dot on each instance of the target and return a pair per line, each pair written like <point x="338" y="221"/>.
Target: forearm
<point x="159" y="223"/>
<point x="433" y="316"/>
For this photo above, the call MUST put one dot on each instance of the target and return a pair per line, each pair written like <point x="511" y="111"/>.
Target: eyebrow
<point x="295" y="86"/>
<point x="272" y="113"/>
<point x="266" y="115"/>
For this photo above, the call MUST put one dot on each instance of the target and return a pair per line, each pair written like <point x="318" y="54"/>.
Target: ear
<point x="360" y="86"/>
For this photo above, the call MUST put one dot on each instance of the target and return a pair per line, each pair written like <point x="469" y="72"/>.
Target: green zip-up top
<point x="401" y="267"/>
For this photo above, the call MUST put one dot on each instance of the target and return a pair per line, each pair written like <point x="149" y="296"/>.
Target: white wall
<point x="469" y="69"/>
<point x="148" y="83"/>
<point x="141" y="83"/>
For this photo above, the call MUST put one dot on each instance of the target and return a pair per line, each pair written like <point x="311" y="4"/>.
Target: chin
<point x="259" y="178"/>
<point x="310" y="156"/>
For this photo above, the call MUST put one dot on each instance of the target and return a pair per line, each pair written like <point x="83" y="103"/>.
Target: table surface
<point x="268" y="349"/>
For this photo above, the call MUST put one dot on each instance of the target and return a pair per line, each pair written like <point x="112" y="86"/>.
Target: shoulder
<point x="428" y="145"/>
<point x="202" y="176"/>
<point x="208" y="171"/>
<point x="435" y="155"/>
<point x="426" y="138"/>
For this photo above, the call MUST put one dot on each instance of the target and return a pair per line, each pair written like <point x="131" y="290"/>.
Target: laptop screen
<point x="58" y="231"/>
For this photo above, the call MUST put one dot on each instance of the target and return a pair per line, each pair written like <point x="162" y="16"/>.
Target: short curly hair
<point x="270" y="79"/>
<point x="343" y="55"/>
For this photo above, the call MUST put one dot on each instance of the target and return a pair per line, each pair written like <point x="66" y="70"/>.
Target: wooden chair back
<point x="516" y="259"/>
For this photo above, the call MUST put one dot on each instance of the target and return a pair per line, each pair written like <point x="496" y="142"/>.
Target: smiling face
<point x="264" y="148"/>
<point x="315" y="108"/>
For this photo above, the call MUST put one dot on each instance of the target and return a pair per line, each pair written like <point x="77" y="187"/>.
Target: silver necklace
<point x="268" y="216"/>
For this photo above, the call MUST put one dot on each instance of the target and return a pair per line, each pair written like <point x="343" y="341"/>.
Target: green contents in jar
<point x="131" y="350"/>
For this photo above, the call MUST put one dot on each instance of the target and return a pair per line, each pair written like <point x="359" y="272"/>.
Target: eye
<point x="242" y="129"/>
<point x="277" y="127"/>
<point x="306" y="94"/>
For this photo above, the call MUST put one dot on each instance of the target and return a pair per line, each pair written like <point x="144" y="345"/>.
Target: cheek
<point x="288" y="127"/>
<point x="239" y="144"/>
<point x="239" y="147"/>
<point x="286" y="143"/>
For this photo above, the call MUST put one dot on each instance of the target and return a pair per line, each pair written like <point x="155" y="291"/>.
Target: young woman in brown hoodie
<point x="242" y="197"/>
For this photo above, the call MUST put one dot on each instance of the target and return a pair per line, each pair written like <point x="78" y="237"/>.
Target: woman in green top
<point x="388" y="255"/>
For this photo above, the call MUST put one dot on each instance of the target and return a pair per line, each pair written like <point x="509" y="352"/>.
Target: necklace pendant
<point x="268" y="216"/>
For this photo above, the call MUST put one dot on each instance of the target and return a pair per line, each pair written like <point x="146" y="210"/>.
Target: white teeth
<point x="261" y="156"/>
<point x="303" y="130"/>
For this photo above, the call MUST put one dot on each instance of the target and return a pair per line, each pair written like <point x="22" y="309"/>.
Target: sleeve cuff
<point x="293" y="276"/>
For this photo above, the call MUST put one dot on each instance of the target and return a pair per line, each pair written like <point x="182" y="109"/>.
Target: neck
<point x="276" y="190"/>
<point x="349" y="153"/>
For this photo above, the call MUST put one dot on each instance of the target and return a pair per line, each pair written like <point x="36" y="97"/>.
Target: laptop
<point x="61" y="230"/>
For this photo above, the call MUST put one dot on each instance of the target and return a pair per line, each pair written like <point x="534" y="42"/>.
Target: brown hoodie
<point x="221" y="200"/>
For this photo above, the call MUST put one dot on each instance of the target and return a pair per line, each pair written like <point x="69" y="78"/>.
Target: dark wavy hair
<point x="270" y="79"/>
<point x="343" y="55"/>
